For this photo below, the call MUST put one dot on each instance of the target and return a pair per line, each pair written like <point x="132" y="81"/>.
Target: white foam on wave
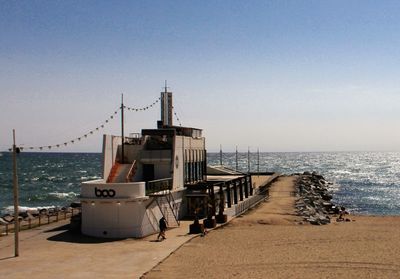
<point x="90" y="177"/>
<point x="341" y="172"/>
<point x="374" y="198"/>
<point x="63" y="195"/>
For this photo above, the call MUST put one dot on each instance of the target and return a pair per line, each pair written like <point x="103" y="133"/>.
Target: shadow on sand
<point x="7" y="258"/>
<point x="66" y="235"/>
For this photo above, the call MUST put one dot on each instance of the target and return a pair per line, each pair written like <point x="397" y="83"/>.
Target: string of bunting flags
<point x="144" y="108"/>
<point x="72" y="141"/>
<point x="91" y="132"/>
<point x="177" y="118"/>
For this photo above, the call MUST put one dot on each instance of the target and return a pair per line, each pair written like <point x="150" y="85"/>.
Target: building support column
<point x="241" y="188"/>
<point x="228" y="195"/>
<point x="251" y="186"/>
<point x="246" y="186"/>
<point x="235" y="195"/>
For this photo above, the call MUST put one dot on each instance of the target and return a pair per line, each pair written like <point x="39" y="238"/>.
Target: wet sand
<point x="269" y="242"/>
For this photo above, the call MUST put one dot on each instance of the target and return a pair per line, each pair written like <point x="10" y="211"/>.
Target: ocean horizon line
<point x="217" y="151"/>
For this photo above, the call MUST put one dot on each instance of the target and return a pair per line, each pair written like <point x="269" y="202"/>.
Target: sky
<point x="281" y="76"/>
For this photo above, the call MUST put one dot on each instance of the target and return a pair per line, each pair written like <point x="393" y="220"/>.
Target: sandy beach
<point x="268" y="242"/>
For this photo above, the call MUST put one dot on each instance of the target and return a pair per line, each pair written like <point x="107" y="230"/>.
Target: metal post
<point x="258" y="161"/>
<point x="16" y="211"/>
<point x="220" y="154"/>
<point x="236" y="158"/>
<point x="122" y="129"/>
<point x="248" y="159"/>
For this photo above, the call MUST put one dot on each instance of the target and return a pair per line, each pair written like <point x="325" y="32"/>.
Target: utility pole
<point x="16" y="211"/>
<point x="122" y="129"/>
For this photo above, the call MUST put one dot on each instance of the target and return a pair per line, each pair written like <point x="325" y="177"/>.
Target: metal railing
<point x="250" y="202"/>
<point x="131" y="172"/>
<point x="40" y="220"/>
<point x="158" y="185"/>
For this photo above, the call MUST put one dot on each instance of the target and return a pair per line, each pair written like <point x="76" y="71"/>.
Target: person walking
<point x="163" y="228"/>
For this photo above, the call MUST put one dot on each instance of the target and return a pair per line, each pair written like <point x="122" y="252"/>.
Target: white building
<point x="144" y="179"/>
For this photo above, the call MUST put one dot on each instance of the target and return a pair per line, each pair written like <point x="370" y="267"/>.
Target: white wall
<point x="112" y="220"/>
<point x="122" y="190"/>
<point x="178" y="163"/>
<point x="110" y="148"/>
<point x="109" y="218"/>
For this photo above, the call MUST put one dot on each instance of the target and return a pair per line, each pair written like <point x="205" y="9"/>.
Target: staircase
<point x="121" y="173"/>
<point x="113" y="172"/>
<point x="168" y="207"/>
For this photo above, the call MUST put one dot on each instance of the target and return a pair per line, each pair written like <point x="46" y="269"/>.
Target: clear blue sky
<point x="278" y="75"/>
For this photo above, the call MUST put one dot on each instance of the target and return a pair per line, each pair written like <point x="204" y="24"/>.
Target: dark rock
<point x="23" y="214"/>
<point x="314" y="198"/>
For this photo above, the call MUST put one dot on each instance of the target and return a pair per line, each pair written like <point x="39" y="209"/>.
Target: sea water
<point x="363" y="182"/>
<point x="46" y="179"/>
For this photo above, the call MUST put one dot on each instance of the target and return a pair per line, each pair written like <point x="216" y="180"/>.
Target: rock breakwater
<point x="314" y="199"/>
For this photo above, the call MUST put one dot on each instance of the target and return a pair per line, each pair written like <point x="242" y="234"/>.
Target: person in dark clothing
<point x="163" y="228"/>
